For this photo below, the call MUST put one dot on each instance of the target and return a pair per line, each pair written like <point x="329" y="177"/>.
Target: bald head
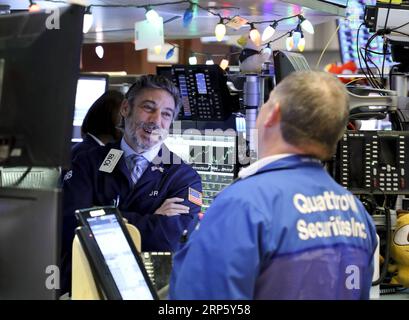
<point x="314" y="111"/>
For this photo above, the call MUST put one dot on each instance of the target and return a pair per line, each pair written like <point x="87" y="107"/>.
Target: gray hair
<point x="151" y="81"/>
<point x="314" y="110"/>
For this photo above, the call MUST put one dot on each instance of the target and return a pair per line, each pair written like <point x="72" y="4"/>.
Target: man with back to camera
<point x="285" y="229"/>
<point x="151" y="194"/>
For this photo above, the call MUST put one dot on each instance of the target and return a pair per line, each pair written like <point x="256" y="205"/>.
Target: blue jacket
<point x="287" y="232"/>
<point x="85" y="186"/>
<point x="86" y="144"/>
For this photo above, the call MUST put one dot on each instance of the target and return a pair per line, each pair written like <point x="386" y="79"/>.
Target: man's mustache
<point x="152" y="127"/>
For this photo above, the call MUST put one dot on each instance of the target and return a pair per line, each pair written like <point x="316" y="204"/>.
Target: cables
<point x="360" y="56"/>
<point x="388" y="226"/>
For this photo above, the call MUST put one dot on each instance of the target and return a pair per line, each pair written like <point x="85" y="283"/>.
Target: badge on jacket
<point x="111" y="160"/>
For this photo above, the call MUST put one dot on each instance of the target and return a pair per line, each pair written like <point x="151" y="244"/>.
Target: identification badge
<point x="111" y="160"/>
<point x="195" y="196"/>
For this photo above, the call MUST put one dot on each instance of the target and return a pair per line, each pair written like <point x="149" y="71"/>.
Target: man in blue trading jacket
<point x="149" y="184"/>
<point x="285" y="229"/>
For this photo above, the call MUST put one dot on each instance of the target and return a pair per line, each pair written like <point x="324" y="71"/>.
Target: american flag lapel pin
<point x="195" y="196"/>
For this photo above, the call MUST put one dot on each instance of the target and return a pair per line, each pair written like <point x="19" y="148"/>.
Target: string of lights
<point x="295" y="37"/>
<point x="209" y="56"/>
<point x="220" y="28"/>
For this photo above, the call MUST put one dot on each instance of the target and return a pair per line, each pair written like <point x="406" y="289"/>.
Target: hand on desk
<point x="170" y="207"/>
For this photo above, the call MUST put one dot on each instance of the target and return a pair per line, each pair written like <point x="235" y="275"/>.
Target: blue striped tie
<point x="137" y="165"/>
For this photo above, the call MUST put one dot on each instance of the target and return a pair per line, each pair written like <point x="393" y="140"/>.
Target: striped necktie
<point x="137" y="165"/>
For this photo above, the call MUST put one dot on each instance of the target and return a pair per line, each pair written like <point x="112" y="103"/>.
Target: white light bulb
<point x="87" y="24"/>
<point x="209" y="62"/>
<point x="307" y="26"/>
<point x="296" y="37"/>
<point x="301" y="44"/>
<point x="152" y="16"/>
<point x="220" y="31"/>
<point x="157" y="49"/>
<point x="268" y="33"/>
<point x="224" y="64"/>
<point x="193" y="60"/>
<point x="34" y="7"/>
<point x="255" y="36"/>
<point x="99" y="50"/>
<point x="267" y="51"/>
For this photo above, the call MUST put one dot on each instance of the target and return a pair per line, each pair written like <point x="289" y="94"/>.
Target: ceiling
<point x="117" y="24"/>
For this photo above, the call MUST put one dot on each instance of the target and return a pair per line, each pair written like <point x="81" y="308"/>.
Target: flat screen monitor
<point x="41" y="66"/>
<point x="287" y="62"/>
<point x="213" y="155"/>
<point x="348" y="36"/>
<point x="89" y="88"/>
<point x="29" y="243"/>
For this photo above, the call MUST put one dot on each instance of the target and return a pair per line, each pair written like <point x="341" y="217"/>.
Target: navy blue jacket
<point x="87" y="143"/>
<point x="85" y="186"/>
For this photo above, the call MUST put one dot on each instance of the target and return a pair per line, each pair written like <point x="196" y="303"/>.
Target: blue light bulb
<point x="170" y="53"/>
<point x="187" y="17"/>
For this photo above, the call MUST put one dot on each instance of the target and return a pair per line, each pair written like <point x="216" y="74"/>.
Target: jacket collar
<point x="287" y="162"/>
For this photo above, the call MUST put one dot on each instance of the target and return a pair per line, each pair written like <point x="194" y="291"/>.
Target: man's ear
<point x="125" y="108"/>
<point x="274" y="116"/>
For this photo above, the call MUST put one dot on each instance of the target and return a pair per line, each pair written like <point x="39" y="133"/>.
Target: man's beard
<point x="152" y="129"/>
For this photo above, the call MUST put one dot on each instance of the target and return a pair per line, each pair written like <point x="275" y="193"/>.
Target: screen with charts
<point x="347" y="33"/>
<point x="119" y="257"/>
<point x="212" y="156"/>
<point x="89" y="89"/>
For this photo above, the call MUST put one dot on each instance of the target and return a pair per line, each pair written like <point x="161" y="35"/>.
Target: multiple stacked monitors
<point x="348" y="35"/>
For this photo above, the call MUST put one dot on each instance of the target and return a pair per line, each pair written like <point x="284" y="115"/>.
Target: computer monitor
<point x="213" y="156"/>
<point x="347" y="35"/>
<point x="89" y="88"/>
<point x="374" y="162"/>
<point x="204" y="92"/>
<point x="41" y="67"/>
<point x="29" y="243"/>
<point x="287" y="62"/>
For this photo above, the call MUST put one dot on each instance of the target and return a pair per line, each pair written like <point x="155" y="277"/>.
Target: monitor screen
<point x="29" y="243"/>
<point x="213" y="156"/>
<point x="41" y="67"/>
<point x="288" y="62"/>
<point x="119" y="258"/>
<point x="348" y="32"/>
<point x="89" y="89"/>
